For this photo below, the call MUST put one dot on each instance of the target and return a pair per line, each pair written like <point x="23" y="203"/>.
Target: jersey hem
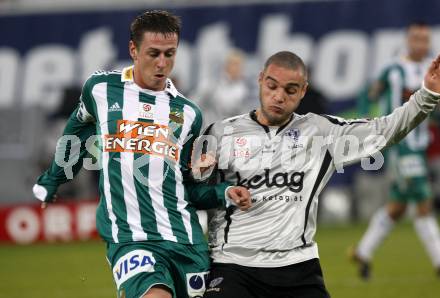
<point x="307" y="253"/>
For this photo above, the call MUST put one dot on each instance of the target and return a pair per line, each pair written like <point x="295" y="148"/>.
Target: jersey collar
<point x="253" y="116"/>
<point x="128" y="76"/>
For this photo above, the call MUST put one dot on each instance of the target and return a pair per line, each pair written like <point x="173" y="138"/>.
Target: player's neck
<point x="415" y="59"/>
<point x="263" y="120"/>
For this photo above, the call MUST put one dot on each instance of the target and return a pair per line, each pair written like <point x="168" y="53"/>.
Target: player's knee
<point x="396" y="211"/>
<point x="158" y="291"/>
<point x="424" y="209"/>
<point x="396" y="216"/>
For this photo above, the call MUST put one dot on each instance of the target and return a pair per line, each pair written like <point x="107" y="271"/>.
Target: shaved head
<point x="287" y="60"/>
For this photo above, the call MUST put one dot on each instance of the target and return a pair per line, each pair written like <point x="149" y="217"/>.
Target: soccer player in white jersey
<point x="407" y="160"/>
<point x="147" y="208"/>
<point x="285" y="160"/>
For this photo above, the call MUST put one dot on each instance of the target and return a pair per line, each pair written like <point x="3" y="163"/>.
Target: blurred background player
<point x="407" y="160"/>
<point x="228" y="94"/>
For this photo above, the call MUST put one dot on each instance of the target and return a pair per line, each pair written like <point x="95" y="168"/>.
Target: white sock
<point x="427" y="229"/>
<point x="380" y="226"/>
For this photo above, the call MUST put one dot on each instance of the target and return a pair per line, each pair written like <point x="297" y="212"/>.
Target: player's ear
<point x="260" y="77"/>
<point x="132" y="50"/>
<point x="304" y="88"/>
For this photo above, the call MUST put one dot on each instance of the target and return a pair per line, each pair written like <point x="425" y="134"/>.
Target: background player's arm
<point x="375" y="90"/>
<point x="372" y="93"/>
<point x="366" y="137"/>
<point x="378" y="87"/>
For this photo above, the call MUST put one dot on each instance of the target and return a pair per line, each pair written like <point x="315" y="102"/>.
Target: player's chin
<point x="278" y="118"/>
<point x="159" y="79"/>
<point x="156" y="83"/>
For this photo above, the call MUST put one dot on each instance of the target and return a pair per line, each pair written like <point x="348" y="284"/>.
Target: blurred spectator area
<point x="69" y="40"/>
<point x="227" y="94"/>
<point x="20" y="131"/>
<point x="28" y="140"/>
<point x="54" y="5"/>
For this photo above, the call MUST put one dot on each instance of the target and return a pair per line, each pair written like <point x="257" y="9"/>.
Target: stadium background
<point x="48" y="48"/>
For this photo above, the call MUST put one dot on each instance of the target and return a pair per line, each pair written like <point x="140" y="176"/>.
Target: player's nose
<point x="161" y="61"/>
<point x="278" y="95"/>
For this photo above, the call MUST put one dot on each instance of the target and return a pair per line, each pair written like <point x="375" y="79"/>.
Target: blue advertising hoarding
<point x="343" y="41"/>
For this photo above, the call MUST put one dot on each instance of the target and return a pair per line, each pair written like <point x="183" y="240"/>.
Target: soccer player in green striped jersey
<point x="407" y="159"/>
<point x="147" y="209"/>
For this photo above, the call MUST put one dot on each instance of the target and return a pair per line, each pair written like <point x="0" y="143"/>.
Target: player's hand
<point x="53" y="200"/>
<point x="204" y="165"/>
<point x="46" y="195"/>
<point x="240" y="196"/>
<point x="432" y="76"/>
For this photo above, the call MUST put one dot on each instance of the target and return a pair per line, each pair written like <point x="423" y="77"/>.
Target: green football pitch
<point x="401" y="268"/>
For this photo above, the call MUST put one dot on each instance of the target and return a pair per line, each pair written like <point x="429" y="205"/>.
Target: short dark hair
<point x="157" y="21"/>
<point x="417" y="23"/>
<point x="288" y="60"/>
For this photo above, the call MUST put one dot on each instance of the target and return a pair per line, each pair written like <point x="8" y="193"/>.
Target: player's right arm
<point x="80" y="126"/>
<point x="360" y="138"/>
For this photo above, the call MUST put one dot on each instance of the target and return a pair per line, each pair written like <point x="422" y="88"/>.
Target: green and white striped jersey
<point x="145" y="189"/>
<point x="401" y="78"/>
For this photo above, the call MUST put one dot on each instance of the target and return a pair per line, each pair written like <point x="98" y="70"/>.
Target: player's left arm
<point x="201" y="194"/>
<point x="70" y="150"/>
<point x="356" y="139"/>
<point x="48" y="183"/>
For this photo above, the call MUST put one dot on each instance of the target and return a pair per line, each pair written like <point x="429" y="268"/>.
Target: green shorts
<point x="411" y="177"/>
<point x="416" y="189"/>
<point x="138" y="266"/>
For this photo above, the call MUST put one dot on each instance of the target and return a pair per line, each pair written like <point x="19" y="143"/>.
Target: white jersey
<point x="285" y="169"/>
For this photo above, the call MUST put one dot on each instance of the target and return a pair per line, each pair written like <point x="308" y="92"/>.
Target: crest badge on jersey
<point x="293" y="134"/>
<point x="176" y="116"/>
<point x="146" y="111"/>
<point x="242" y="147"/>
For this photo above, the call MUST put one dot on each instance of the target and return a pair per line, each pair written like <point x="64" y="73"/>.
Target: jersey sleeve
<point x="86" y="108"/>
<point x="70" y="150"/>
<point x="352" y="140"/>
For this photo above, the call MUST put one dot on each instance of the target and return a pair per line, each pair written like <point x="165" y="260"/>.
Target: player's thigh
<point x="190" y="268"/>
<point x="399" y="194"/>
<point x="158" y="291"/>
<point x="424" y="207"/>
<point x="396" y="208"/>
<point x="422" y="192"/>
<point x="309" y="291"/>
<point x="137" y="268"/>
<point x="226" y="281"/>
<point x="303" y="279"/>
